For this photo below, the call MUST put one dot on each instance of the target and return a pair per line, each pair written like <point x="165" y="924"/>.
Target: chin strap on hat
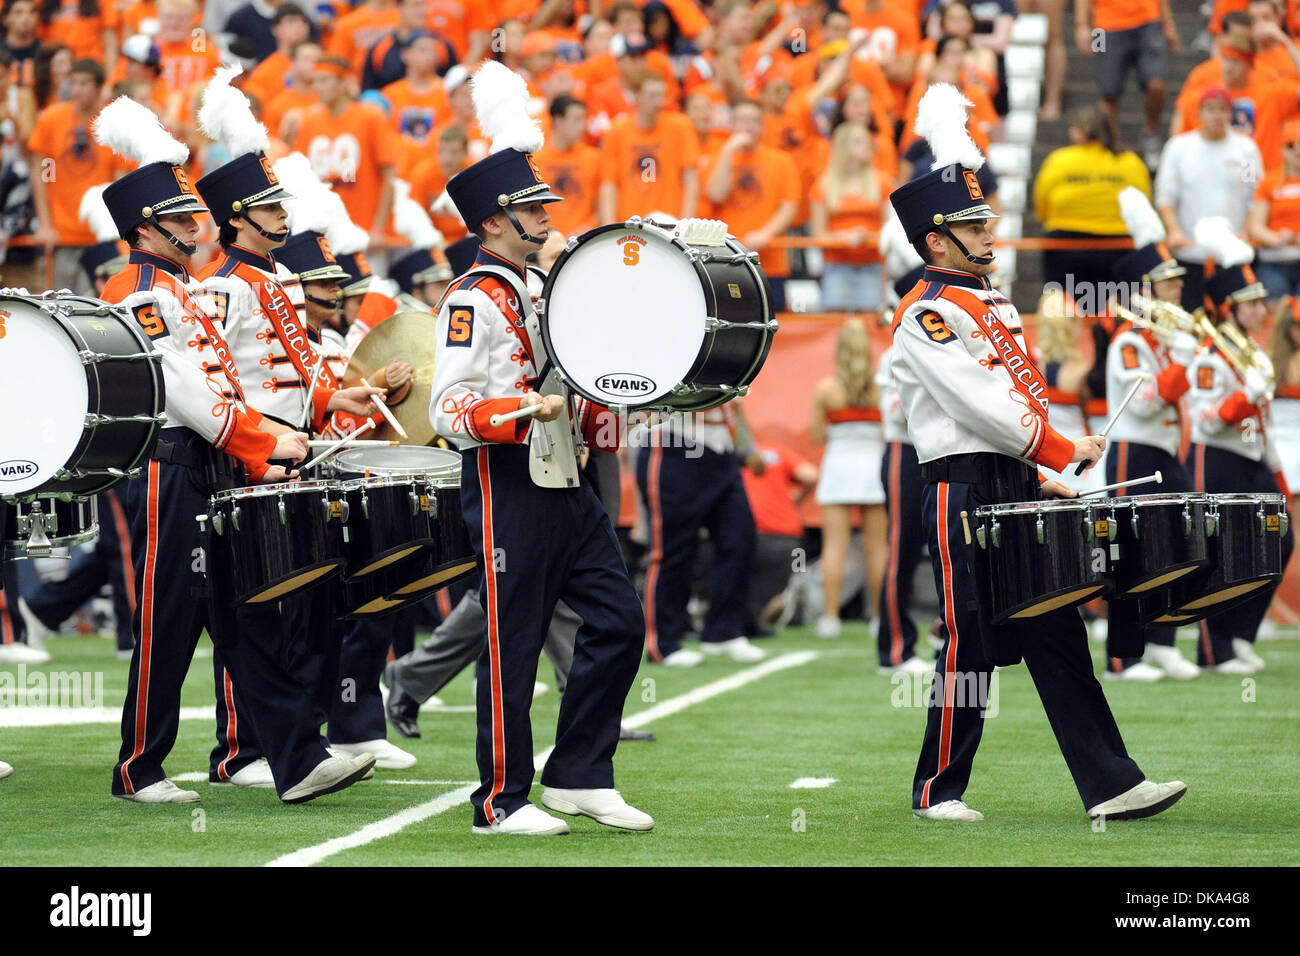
<point x="514" y="221"/>
<point x="276" y="237"/>
<point x="331" y="304"/>
<point x="189" y="248"/>
<point x="978" y="260"/>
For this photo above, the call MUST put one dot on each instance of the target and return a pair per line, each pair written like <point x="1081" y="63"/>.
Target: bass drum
<point x="82" y="395"/>
<point x="638" y="315"/>
<point x="34" y="527"/>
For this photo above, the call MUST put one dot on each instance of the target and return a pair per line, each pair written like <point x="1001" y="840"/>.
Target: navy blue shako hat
<point x="158" y="189"/>
<point x="416" y="268"/>
<point x="308" y="255"/>
<point x="244" y="182"/>
<point x="1151" y="263"/>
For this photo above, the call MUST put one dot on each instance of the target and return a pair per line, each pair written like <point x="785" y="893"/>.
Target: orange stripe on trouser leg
<point x="1206" y="644"/>
<point x="494" y="646"/>
<point x="146" y="623"/>
<point x="656" y="552"/>
<point x="895" y="541"/>
<point x="232" y="725"/>
<point x="950" y="660"/>
<point x="6" y="625"/>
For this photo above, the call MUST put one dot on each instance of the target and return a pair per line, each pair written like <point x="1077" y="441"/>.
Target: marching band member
<point x="1146" y="438"/>
<point x="154" y="209"/>
<point x="1232" y="443"/>
<point x="539" y="532"/>
<point x="976" y="409"/>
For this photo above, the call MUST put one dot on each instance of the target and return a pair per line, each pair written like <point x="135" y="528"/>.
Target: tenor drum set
<point x="1181" y="556"/>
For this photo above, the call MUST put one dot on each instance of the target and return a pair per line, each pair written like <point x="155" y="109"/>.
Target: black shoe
<point x="627" y="733"/>
<point x="402" y="710"/>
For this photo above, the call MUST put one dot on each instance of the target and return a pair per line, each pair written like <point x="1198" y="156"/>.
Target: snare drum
<point x="278" y="539"/>
<point x="408" y="507"/>
<point x="33" y="527"/>
<point x="636" y="315"/>
<point x="82" y="394"/>
<point x="1245" y="554"/>
<point x="1043" y="555"/>
<point x="1161" y="538"/>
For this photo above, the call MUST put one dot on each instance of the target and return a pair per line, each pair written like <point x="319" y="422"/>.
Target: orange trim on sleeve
<point x="1236" y="408"/>
<point x="1056" y="450"/>
<point x="510" y="433"/>
<point x="249" y="444"/>
<point x="1172" y="382"/>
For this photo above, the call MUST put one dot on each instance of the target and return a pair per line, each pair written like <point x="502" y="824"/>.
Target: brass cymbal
<point x="408" y="337"/>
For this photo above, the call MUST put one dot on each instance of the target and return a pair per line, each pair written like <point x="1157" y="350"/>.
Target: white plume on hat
<point x="941" y="120"/>
<point x="501" y="105"/>
<point x="444" y="206"/>
<point x="410" y="219"/>
<point x="1220" y="241"/>
<point x="899" y="254"/>
<point x="95" y="214"/>
<point x="344" y="236"/>
<point x="309" y="208"/>
<point x="1143" y="222"/>
<point x="226" y="117"/>
<point x="133" y="131"/>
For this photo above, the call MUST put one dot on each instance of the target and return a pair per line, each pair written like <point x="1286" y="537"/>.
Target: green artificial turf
<point x="717" y="780"/>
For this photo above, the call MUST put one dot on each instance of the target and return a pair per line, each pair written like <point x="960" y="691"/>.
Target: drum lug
<point x="571" y="243"/>
<point x="1133" y="522"/>
<point x="218" y="523"/>
<point x="693" y="255"/>
<point x="415" y="502"/>
<point x="365" y="506"/>
<point x="1042" y="536"/>
<point x="540" y="306"/>
<point x="1089" y="531"/>
<point x="279" y="503"/>
<point x="345" y="511"/>
<point x="997" y="533"/>
<point x="981" y="535"/>
<point x="234" y="517"/>
<point x="1187" y="519"/>
<point x="712" y="324"/>
<point x="38" y="543"/>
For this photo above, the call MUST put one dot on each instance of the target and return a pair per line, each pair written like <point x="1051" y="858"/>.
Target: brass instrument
<point x="1250" y="355"/>
<point x="1164" y="318"/>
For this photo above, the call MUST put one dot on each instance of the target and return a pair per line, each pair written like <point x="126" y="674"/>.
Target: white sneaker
<point x="1269" y="631"/>
<point x="332" y="774"/>
<point x="256" y="776"/>
<point x="164" y="791"/>
<point x="19" y="653"/>
<point x="948" y="810"/>
<point x="738" y="649"/>
<point x="37" y="632"/>
<point x="913" y="665"/>
<point x="1146" y="799"/>
<point x="528" y="820"/>
<point x="605" y="806"/>
<point x="828" y="628"/>
<point x="683" y="657"/>
<point x="335" y="752"/>
<point x="1100" y="630"/>
<point x="1171" y="661"/>
<point x="387" y="756"/>
<point x="1141" y="672"/>
<point x="540" y="689"/>
<point x="5" y="770"/>
<point x="1245" y="650"/>
<point x="1234" y="665"/>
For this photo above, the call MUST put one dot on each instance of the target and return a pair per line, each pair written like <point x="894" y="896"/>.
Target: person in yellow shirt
<point x="1076" y="196"/>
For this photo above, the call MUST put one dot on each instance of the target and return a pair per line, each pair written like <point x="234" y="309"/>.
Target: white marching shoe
<point x="1234" y="665"/>
<point x="164" y="791"/>
<point x="387" y="756"/>
<point x="828" y="628"/>
<point x="528" y="820"/>
<point x="332" y="774"/>
<point x="1171" y="661"/>
<point x="19" y="653"/>
<point x="948" y="810"/>
<point x="1145" y="800"/>
<point x="1245" y="650"/>
<point x="913" y="665"/>
<point x="5" y="770"/>
<point x="1140" y="672"/>
<point x="605" y="806"/>
<point x="683" y="657"/>
<point x="738" y="649"/>
<point x="256" y="776"/>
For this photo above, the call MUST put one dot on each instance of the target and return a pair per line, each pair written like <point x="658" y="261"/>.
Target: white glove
<point x="1182" y="347"/>
<point x="1256" y="385"/>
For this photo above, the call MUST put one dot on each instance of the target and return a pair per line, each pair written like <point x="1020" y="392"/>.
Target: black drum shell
<point x="1167" y="542"/>
<point x="268" y="558"/>
<point x="388" y="519"/>
<point x="1067" y="568"/>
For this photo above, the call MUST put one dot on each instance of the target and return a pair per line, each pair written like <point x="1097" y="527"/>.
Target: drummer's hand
<point x="355" y="400"/>
<point x="1057" y="489"/>
<point x="290" y="446"/>
<point x="1089" y="449"/>
<point x="276" y="473"/>
<point x="552" y="405"/>
<point x="397" y="374"/>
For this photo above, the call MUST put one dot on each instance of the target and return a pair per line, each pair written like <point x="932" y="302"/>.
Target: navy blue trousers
<point x="684" y="490"/>
<point x="1125" y="637"/>
<point x="1055" y="650"/>
<point x="901" y="477"/>
<point x="536" y="546"/>
<point x="1218" y="471"/>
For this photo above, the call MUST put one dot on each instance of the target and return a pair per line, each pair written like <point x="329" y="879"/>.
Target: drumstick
<point x="965" y="524"/>
<point x="370" y="423"/>
<point x="386" y="413"/>
<point x="496" y="421"/>
<point x="1157" y="478"/>
<point x="326" y="442"/>
<point x="1142" y="379"/>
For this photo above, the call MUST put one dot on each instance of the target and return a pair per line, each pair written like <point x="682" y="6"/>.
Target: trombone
<point x="1164" y="318"/>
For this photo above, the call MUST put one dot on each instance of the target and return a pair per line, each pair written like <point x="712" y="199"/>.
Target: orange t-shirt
<point x="854" y="211"/>
<point x="1274" y="101"/>
<point x="761" y="180"/>
<point x="1276" y="61"/>
<point x="416" y="115"/>
<point x="136" y="14"/>
<point x="775" y="511"/>
<point x="79" y="163"/>
<point x="1221" y="9"/>
<point x="982" y="118"/>
<point x="427" y="183"/>
<point x="646" y="165"/>
<point x="863" y="71"/>
<point x="1124" y="14"/>
<point x="349" y="152"/>
<point x="894" y="32"/>
<point x="1282" y="193"/>
<point x="359" y="31"/>
<point x="575" y="175"/>
<point x="455" y="20"/>
<point x="84" y="36"/>
<point x="274" y="112"/>
<point x="182" y="66"/>
<point x="266" y="82"/>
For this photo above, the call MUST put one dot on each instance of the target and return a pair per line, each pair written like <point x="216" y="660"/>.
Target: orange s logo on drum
<point x="631" y="249"/>
<point x="3" y="315"/>
<point x="460" y="327"/>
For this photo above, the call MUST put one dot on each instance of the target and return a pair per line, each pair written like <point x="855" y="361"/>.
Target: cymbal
<point x="409" y="337"/>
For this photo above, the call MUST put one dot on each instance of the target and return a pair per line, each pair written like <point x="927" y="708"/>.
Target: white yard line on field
<point x="444" y="802"/>
<point x="31" y="716"/>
